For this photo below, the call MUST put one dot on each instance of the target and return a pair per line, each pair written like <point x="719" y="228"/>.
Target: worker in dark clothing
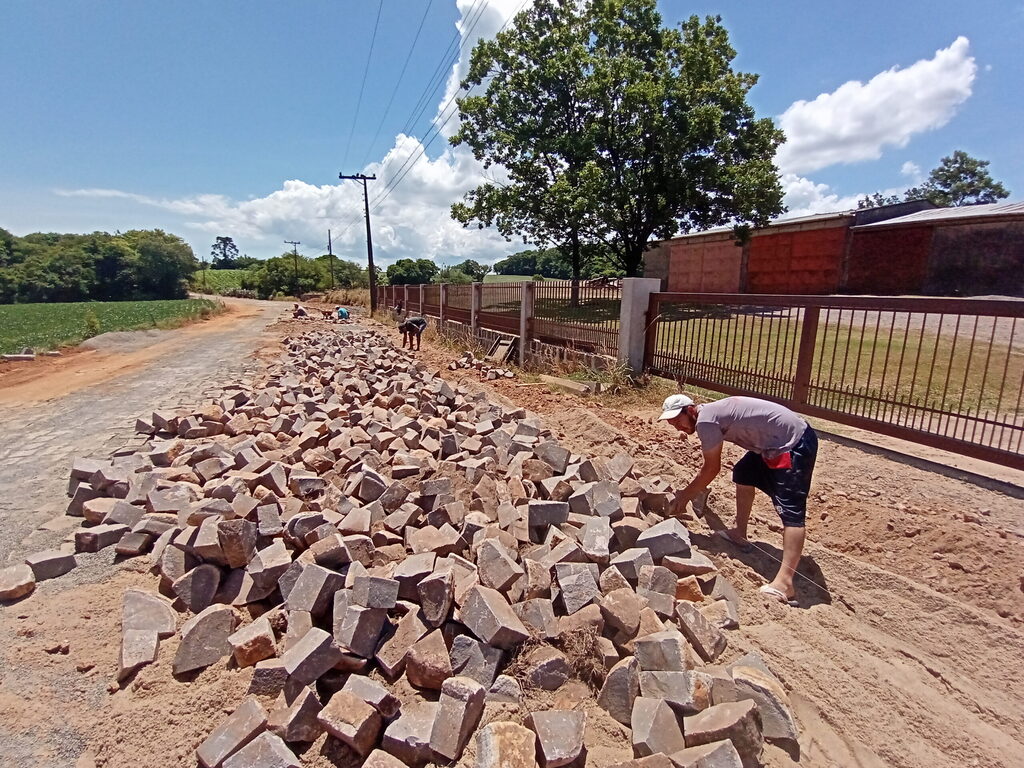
<point x="412" y="328"/>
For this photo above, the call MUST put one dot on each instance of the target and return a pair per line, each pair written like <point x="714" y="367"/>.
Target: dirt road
<point x="904" y="651"/>
<point x="86" y="404"/>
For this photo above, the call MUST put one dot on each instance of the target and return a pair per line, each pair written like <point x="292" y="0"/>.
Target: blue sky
<point x="234" y="118"/>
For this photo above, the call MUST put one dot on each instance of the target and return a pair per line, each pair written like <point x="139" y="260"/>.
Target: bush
<point x="92" y="324"/>
<point x="538" y="278"/>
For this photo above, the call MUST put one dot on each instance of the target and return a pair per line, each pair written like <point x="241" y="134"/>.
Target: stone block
<point x="476" y="660"/>
<point x="489" y="616"/>
<point x="50" y="564"/>
<point x="538" y="614"/>
<point x="621" y="610"/>
<point x="458" y="712"/>
<point x="777" y="724"/>
<point x="314" y="590"/>
<point x="381" y="759"/>
<point x="656" y="728"/>
<point x="252" y="643"/>
<point x="294" y="719"/>
<point x="686" y="692"/>
<point x="375" y="592"/>
<point x="504" y="744"/>
<point x="696" y="564"/>
<point x="265" y="751"/>
<point x="596" y="539"/>
<point x="408" y="736"/>
<point x="374" y="694"/>
<point x="705" y="638"/>
<point x="99" y="537"/>
<point x="310" y="657"/>
<point x="737" y="722"/>
<point x="621" y="686"/>
<point x="497" y="568"/>
<point x="241" y="727"/>
<point x="204" y="639"/>
<point x="198" y="587"/>
<point x="138" y="648"/>
<point x="544" y="513"/>
<point x="147" y="611"/>
<point x="507" y="690"/>
<point x="358" y="628"/>
<point x="436" y="595"/>
<point x="427" y="664"/>
<point x="631" y="561"/>
<point x="352" y="721"/>
<point x="717" y="754"/>
<point x="237" y="541"/>
<point x="665" y="651"/>
<point x="411" y="572"/>
<point x="658" y="585"/>
<point x="667" y="538"/>
<point x="577" y="586"/>
<point x="688" y="589"/>
<point x="546" y="668"/>
<point x="392" y="652"/>
<point x="559" y="736"/>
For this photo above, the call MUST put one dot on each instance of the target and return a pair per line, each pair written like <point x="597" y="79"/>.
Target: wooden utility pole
<point x="330" y="257"/>
<point x="295" y="262"/>
<point x="369" y="238"/>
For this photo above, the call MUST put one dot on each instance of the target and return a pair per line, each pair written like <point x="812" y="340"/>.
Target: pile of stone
<point x="487" y="372"/>
<point x="354" y="520"/>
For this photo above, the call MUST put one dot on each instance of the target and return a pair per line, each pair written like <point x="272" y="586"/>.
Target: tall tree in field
<point x="223" y="253"/>
<point x="533" y="121"/>
<point x="960" y="180"/>
<point x="614" y="129"/>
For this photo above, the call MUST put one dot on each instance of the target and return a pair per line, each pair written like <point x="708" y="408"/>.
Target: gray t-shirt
<point x="756" y="425"/>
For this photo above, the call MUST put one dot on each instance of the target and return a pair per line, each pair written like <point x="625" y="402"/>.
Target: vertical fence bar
<point x="805" y="355"/>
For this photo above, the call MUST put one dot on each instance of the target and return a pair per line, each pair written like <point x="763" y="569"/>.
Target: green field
<point x="49" y="326"/>
<point x="217" y="280"/>
<point x="507" y="278"/>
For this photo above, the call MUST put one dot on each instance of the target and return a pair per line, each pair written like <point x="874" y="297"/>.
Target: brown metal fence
<point x="459" y="304"/>
<point x="948" y="373"/>
<point x="500" y="305"/>
<point x="586" y="317"/>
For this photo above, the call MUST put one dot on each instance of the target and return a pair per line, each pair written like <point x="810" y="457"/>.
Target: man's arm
<point x="708" y="472"/>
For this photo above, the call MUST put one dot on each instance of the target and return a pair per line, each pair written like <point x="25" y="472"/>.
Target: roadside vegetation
<point x="53" y="325"/>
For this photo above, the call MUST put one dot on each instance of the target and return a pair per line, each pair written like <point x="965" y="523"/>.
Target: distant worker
<point x="781" y="450"/>
<point x="412" y="328"/>
<point x="400" y="306"/>
<point x="299" y="311"/>
<point x="342" y="313"/>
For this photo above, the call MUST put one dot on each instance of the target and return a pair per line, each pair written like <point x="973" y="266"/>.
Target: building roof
<point x="960" y="215"/>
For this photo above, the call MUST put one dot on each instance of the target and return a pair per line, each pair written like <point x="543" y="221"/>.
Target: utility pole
<point x="295" y="262"/>
<point x="369" y="239"/>
<point x="330" y="257"/>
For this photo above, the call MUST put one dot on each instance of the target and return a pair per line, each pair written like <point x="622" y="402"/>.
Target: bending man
<point x="781" y="449"/>
<point x="412" y="329"/>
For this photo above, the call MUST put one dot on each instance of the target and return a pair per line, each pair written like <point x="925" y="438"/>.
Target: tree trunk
<point x="576" y="262"/>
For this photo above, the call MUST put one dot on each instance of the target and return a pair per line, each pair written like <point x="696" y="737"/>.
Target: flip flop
<point x="778" y="595"/>
<point x="742" y="546"/>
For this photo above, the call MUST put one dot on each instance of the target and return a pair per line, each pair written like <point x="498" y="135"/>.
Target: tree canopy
<point x="139" y="264"/>
<point x="613" y="129"/>
<point x="224" y="254"/>
<point x="959" y="179"/>
<point x="411" y="271"/>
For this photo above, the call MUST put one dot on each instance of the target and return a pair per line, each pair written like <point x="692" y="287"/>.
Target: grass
<point x="49" y="326"/>
<point x="856" y="365"/>
<point x="507" y="278"/>
<point x="348" y="297"/>
<point x="217" y="280"/>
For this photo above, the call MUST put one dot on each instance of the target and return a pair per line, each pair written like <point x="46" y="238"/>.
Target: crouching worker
<point x="412" y="328"/>
<point x="781" y="450"/>
<point x="342" y="313"/>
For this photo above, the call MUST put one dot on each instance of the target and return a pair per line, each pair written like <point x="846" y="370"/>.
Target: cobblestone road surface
<point x="39" y="441"/>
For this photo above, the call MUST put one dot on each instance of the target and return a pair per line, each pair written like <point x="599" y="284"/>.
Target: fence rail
<point x="948" y="373"/>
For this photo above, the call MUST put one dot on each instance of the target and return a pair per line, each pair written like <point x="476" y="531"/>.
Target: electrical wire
<point x="362" y="85"/>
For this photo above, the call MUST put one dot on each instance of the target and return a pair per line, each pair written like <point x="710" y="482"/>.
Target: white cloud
<point x="413" y="221"/>
<point x="911" y="170"/>
<point x="858" y="120"/>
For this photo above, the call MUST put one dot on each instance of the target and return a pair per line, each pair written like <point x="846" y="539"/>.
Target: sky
<point x="234" y="118"/>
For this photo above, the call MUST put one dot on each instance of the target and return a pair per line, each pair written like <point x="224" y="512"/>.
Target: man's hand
<point x="679" y="504"/>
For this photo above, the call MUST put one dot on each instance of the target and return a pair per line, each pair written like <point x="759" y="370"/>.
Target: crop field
<point x="217" y="280"/>
<point x="507" y="278"/>
<point x="49" y="326"/>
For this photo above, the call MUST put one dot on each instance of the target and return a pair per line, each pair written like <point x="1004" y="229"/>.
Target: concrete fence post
<point x="525" y="316"/>
<point x="423" y="312"/>
<point x="405" y="300"/>
<point x="475" y="302"/>
<point x="442" y="301"/>
<point x="633" y="320"/>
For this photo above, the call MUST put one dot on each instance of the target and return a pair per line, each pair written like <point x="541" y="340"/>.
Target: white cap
<point x="674" y="405"/>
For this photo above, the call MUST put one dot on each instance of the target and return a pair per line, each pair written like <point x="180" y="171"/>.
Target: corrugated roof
<point x="964" y="212"/>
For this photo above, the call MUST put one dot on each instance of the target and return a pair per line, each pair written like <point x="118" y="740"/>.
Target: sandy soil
<point x="904" y="651"/>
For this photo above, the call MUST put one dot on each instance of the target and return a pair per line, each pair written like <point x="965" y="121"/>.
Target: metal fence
<point x="586" y="315"/>
<point x="948" y="373"/>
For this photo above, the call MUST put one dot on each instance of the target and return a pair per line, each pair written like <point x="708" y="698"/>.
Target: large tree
<point x="613" y="129"/>
<point x="958" y="180"/>
<point x="411" y="272"/>
<point x="224" y="253"/>
<point x="961" y="180"/>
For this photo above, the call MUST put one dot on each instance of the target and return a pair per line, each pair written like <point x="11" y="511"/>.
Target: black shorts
<point x="787" y="488"/>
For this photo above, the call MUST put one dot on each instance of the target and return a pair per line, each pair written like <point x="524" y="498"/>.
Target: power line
<point x="366" y="71"/>
<point x="401" y="76"/>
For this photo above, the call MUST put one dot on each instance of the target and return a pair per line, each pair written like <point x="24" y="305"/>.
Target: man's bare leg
<point x="744" y="503"/>
<point x="792" y="548"/>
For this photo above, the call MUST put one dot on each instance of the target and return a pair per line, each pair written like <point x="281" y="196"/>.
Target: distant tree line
<point x="291" y="275"/>
<point x="49" y="267"/>
<point x="556" y="264"/>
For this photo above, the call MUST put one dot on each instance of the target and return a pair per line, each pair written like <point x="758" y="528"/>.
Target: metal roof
<point x="953" y="215"/>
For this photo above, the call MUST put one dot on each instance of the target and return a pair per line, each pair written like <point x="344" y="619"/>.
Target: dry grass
<point x="348" y="297"/>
